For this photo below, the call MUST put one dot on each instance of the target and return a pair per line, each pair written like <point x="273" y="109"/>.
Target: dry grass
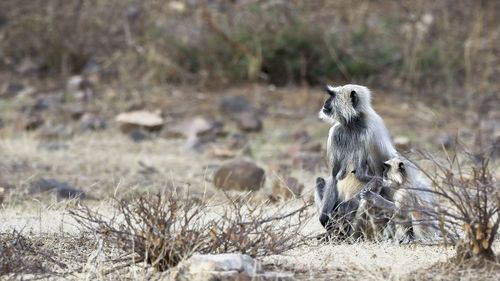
<point x="106" y="164"/>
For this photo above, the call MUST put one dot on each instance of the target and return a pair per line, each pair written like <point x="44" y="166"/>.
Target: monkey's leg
<point x="360" y="220"/>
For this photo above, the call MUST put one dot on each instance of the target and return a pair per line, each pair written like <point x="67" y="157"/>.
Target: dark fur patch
<point x="386" y="170"/>
<point x="349" y="138"/>
<point x="402" y="168"/>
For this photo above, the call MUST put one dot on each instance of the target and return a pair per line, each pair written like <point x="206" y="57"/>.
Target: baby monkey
<point x="412" y="208"/>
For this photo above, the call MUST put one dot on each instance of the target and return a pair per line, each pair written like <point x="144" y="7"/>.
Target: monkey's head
<point x="345" y="103"/>
<point x="395" y="172"/>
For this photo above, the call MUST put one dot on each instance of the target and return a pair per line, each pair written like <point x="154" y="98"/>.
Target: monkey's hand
<point x="368" y="195"/>
<point x="362" y="174"/>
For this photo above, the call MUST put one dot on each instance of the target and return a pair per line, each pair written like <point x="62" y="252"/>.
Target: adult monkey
<point x="358" y="145"/>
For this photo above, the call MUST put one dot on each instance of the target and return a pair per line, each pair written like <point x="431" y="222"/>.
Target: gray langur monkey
<point x="413" y="205"/>
<point x="358" y="141"/>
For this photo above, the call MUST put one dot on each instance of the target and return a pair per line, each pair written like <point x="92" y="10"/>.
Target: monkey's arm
<point x="377" y="200"/>
<point x="382" y="203"/>
<point x="329" y="199"/>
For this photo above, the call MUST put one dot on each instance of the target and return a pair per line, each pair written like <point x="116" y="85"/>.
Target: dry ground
<point x="106" y="163"/>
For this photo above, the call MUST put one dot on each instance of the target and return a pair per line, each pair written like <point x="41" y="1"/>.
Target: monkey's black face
<point x="327" y="107"/>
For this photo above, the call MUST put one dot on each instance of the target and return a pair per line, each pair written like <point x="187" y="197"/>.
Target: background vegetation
<point x="444" y="50"/>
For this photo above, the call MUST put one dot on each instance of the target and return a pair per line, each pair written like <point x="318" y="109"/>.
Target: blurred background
<point x="444" y="50"/>
<point x="188" y="69"/>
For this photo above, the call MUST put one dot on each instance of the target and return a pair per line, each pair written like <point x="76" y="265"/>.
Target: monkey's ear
<point x="354" y="98"/>
<point x="402" y="167"/>
<point x="329" y="90"/>
<point x="386" y="167"/>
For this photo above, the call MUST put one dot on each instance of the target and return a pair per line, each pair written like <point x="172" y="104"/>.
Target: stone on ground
<point x="239" y="175"/>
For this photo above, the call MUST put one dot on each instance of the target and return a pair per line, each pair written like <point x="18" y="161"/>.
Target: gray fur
<point x="414" y="201"/>
<point x="358" y="140"/>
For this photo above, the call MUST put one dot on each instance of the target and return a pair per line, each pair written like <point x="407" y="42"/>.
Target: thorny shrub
<point x="166" y="228"/>
<point x="470" y="200"/>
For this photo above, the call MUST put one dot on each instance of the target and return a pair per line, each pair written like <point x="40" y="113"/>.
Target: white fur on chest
<point x="349" y="187"/>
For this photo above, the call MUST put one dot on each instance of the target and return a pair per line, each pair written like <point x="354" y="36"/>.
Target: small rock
<point x="310" y="147"/>
<point x="224" y="267"/>
<point x="69" y="193"/>
<point x="146" y="169"/>
<point x="402" y="143"/>
<point x="55" y="132"/>
<point x="132" y="120"/>
<point x="177" y="6"/>
<point x="92" y="122"/>
<point x="11" y="90"/>
<point x="232" y="105"/>
<point x="301" y="136"/>
<point x="42" y="103"/>
<point x="133" y="12"/>
<point x="138" y="135"/>
<point x="445" y="140"/>
<point x="53" y="146"/>
<point x="248" y="121"/>
<point x="28" y="66"/>
<point x="281" y="170"/>
<point x="239" y="175"/>
<point x="62" y="190"/>
<point x="274" y="276"/>
<point x="236" y="141"/>
<point x="198" y="131"/>
<point x="287" y="188"/>
<point x="308" y="161"/>
<point x="79" y="87"/>
<point x="221" y="152"/>
<point x="75" y="110"/>
<point x="31" y="122"/>
<point x="194" y="127"/>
